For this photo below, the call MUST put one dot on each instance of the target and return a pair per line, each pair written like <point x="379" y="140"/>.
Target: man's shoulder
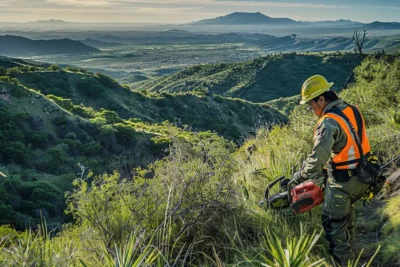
<point x="328" y="122"/>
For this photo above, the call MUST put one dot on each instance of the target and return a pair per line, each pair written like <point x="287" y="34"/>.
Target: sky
<point x="184" y="11"/>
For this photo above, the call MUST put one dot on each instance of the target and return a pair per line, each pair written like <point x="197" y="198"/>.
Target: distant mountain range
<point x="243" y="18"/>
<point x="51" y="21"/>
<point x="19" y="46"/>
<point x="231" y="21"/>
<point x="376" y="25"/>
<point x="247" y="18"/>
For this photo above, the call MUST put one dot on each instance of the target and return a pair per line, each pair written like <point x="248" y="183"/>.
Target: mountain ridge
<point x="246" y="18"/>
<point x="11" y="45"/>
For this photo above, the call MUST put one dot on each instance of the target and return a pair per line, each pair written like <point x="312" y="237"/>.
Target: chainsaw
<point x="300" y="198"/>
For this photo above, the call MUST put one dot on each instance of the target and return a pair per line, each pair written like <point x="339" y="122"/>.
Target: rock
<point x="393" y="184"/>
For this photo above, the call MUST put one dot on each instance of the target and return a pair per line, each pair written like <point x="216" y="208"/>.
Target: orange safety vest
<point x="349" y="156"/>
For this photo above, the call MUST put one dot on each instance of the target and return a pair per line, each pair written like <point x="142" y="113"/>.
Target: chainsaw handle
<point x="289" y="189"/>
<point x="266" y="195"/>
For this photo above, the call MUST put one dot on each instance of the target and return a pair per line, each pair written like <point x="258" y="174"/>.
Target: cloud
<point x="279" y="4"/>
<point x="80" y="3"/>
<point x="383" y="7"/>
<point x="186" y="10"/>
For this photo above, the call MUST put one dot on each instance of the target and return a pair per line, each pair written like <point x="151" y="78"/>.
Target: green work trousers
<point x="338" y="216"/>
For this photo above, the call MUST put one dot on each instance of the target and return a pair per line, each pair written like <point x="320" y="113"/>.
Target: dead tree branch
<point x="359" y="40"/>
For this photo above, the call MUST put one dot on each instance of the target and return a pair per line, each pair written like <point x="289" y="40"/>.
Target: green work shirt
<point x="329" y="139"/>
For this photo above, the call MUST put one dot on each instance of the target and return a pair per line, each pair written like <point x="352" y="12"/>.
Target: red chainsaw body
<point x="306" y="196"/>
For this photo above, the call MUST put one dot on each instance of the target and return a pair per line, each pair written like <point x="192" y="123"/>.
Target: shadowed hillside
<point x="19" y="46"/>
<point x="259" y="80"/>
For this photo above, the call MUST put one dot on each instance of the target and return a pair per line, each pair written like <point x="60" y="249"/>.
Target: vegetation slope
<point x="19" y="46"/>
<point x="55" y="123"/>
<point x="260" y="80"/>
<point x="198" y="206"/>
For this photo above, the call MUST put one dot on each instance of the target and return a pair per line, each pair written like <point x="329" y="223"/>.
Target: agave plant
<point x="395" y="118"/>
<point x="131" y="254"/>
<point x="294" y="254"/>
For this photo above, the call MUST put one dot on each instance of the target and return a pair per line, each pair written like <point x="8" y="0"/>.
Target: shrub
<point x="126" y="134"/>
<point x="16" y="152"/>
<point x="64" y="103"/>
<point x="90" y="149"/>
<point x="53" y="68"/>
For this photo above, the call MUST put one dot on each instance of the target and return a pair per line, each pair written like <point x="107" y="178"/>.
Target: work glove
<point x="297" y="178"/>
<point x="284" y="183"/>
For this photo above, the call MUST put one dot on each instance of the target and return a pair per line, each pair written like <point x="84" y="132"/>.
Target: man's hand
<point x="284" y="183"/>
<point x="297" y="178"/>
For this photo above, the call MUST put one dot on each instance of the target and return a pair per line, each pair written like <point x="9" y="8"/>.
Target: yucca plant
<point x="395" y="118"/>
<point x="294" y="254"/>
<point x="132" y="254"/>
<point x="357" y="261"/>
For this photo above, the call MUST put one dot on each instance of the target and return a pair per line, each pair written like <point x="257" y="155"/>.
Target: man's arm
<point x="325" y="137"/>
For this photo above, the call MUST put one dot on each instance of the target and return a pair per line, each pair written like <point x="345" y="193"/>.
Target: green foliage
<point x="28" y="199"/>
<point x="130" y="254"/>
<point x="39" y="249"/>
<point x="90" y="87"/>
<point x="259" y="80"/>
<point x="91" y="149"/>
<point x="296" y="253"/>
<point x="184" y="186"/>
<point x="125" y="134"/>
<point x="160" y="143"/>
<point x="53" y="68"/>
<point x="17" y="152"/>
<point x="56" y="156"/>
<point x="110" y="116"/>
<point x="64" y="103"/>
<point x="76" y="70"/>
<point x="197" y="206"/>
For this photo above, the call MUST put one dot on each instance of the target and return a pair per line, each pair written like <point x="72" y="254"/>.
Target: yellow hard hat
<point x="313" y="87"/>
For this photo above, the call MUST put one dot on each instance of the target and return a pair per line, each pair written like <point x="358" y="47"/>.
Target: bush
<point x="56" y="157"/>
<point x="186" y="188"/>
<point x="126" y="134"/>
<point x="64" y="103"/>
<point x="91" y="149"/>
<point x="16" y="152"/>
<point x="90" y="87"/>
<point x="53" y="68"/>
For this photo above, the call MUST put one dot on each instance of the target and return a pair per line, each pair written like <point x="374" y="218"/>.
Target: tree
<point x="359" y="41"/>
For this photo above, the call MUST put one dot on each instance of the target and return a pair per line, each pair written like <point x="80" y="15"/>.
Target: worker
<point x="335" y="150"/>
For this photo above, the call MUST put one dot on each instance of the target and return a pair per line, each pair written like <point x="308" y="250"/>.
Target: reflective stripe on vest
<point x="349" y="156"/>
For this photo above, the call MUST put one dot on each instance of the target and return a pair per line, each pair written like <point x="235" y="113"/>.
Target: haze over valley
<point x="156" y="50"/>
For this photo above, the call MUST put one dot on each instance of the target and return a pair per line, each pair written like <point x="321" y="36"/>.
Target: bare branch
<point x="359" y="41"/>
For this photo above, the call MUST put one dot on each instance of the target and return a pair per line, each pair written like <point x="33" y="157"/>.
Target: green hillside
<point x="44" y="145"/>
<point x="260" y="80"/>
<point x="17" y="46"/>
<point x="54" y="122"/>
<point x="198" y="204"/>
<point x="231" y="118"/>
